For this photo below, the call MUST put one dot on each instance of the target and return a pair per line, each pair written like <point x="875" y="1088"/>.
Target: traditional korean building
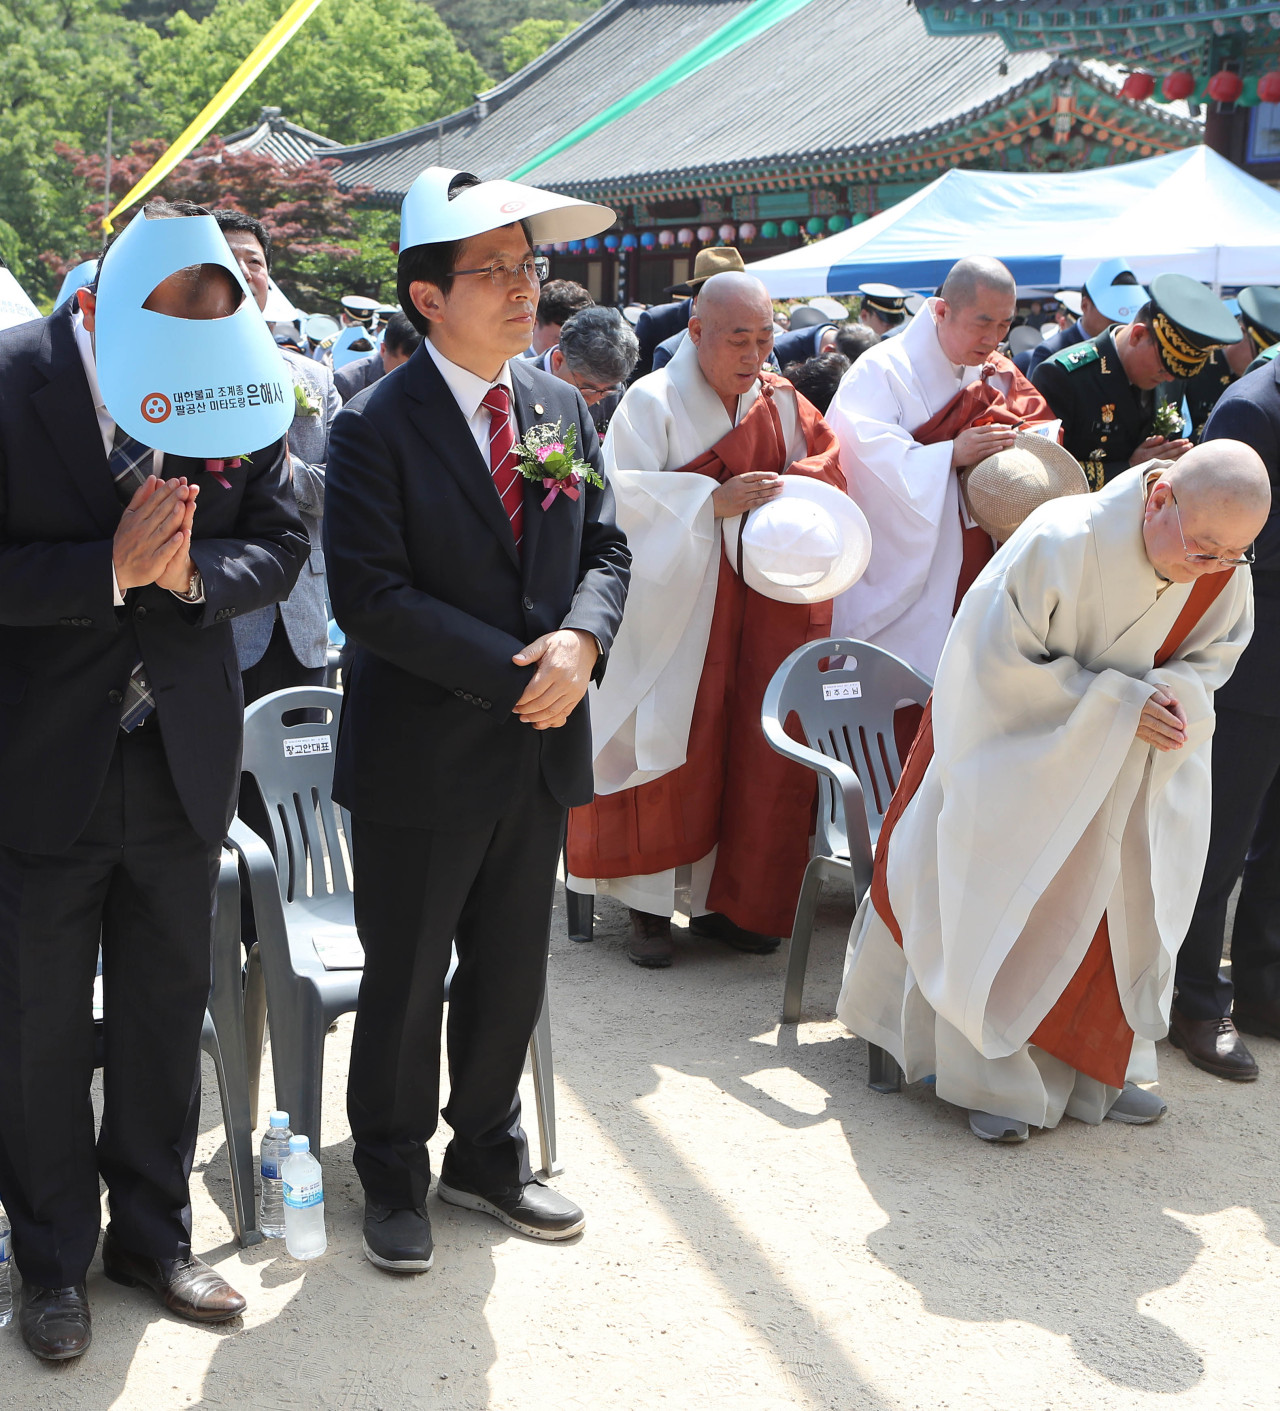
<point x="760" y="123"/>
<point x="1223" y="55"/>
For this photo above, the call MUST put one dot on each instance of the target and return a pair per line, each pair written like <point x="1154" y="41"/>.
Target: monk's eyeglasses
<point x="1250" y="553"/>
<point x="531" y="271"/>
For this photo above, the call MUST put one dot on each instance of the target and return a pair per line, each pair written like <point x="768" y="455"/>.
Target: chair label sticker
<point x="308" y="744"/>
<point x="842" y="691"/>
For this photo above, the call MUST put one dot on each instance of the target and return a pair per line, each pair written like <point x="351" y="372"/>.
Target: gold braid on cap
<point x="884" y="310"/>
<point x="1181" y="356"/>
<point x="1258" y="337"/>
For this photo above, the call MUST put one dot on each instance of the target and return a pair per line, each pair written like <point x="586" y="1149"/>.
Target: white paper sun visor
<point x="15" y="305"/>
<point x="190" y="387"/>
<point x="428" y="216"/>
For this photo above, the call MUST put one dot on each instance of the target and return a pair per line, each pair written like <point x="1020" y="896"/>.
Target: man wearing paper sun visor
<point x="144" y="503"/>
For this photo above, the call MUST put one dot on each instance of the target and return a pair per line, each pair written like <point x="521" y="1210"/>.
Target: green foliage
<point x="317" y="281"/>
<point x="357" y="69"/>
<point x="530" y="38"/>
<point x="481" y="25"/>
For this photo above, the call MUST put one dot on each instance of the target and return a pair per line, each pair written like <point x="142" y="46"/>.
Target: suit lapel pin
<point x="537" y="407"/>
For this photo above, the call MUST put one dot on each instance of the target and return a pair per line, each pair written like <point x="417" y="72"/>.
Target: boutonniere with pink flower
<point x="216" y="466"/>
<point x="546" y="454"/>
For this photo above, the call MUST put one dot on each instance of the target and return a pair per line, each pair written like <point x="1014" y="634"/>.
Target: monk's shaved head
<point x="973" y="274"/>
<point x="733" y="297"/>
<point x="732" y="329"/>
<point x="1223" y="497"/>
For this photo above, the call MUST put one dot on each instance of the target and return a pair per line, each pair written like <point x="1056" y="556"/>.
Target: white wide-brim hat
<point x="1002" y="490"/>
<point x="428" y="216"/>
<point x="805" y="546"/>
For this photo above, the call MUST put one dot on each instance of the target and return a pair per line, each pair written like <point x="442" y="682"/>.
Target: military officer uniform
<point x="1105" y="418"/>
<point x="888" y="303"/>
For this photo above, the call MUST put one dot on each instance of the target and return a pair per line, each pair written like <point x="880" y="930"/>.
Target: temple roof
<point x="834" y="84"/>
<point x="275" y="136"/>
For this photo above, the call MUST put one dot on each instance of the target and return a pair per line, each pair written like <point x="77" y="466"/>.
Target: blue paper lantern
<point x="648" y="240"/>
<point x="592" y="244"/>
<point x="611" y="242"/>
<point x="629" y="242"/>
<point x="575" y="247"/>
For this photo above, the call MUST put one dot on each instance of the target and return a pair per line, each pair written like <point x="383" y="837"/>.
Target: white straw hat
<point x="806" y="546"/>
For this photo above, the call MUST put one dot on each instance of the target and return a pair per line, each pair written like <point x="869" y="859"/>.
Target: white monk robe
<point x="909" y="492"/>
<point x="641" y="712"/>
<point x="1040" y="811"/>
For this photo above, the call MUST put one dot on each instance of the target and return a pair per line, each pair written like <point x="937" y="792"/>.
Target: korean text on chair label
<point x="842" y="691"/>
<point x="308" y="744"/>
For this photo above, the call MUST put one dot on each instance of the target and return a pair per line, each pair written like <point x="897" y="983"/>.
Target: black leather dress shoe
<point x="1214" y="1045"/>
<point x="55" y="1323"/>
<point x="1256" y="1018"/>
<point x="399" y="1240"/>
<point x="720" y="928"/>
<point x="187" y="1287"/>
<point x="533" y="1209"/>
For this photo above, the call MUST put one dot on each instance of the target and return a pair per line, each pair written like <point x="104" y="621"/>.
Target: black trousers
<point x="141" y="881"/>
<point x="1245" y="837"/>
<point x="490" y="891"/>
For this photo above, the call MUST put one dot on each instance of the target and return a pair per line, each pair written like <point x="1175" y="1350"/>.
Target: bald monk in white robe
<point x="687" y="789"/>
<point x="1042" y="854"/>
<point x="903" y="416"/>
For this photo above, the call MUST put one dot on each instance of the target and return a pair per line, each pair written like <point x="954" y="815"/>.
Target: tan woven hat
<point x="715" y="259"/>
<point x="1002" y="490"/>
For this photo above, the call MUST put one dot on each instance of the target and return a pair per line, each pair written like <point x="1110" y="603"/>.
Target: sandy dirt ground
<point x="762" y="1232"/>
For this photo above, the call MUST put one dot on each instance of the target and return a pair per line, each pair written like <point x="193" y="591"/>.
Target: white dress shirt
<point x="469" y="391"/>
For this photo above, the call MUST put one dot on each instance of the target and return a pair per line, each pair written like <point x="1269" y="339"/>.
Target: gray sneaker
<point x="398" y="1240"/>
<point x="1137" y="1106"/>
<point x="997" y="1129"/>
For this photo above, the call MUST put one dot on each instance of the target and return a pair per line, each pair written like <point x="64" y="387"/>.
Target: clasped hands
<point x="1163" y="722"/>
<point x="152" y="543"/>
<point x="565" y="659"/>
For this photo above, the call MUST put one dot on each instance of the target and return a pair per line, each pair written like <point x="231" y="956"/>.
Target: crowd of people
<point x="569" y="546"/>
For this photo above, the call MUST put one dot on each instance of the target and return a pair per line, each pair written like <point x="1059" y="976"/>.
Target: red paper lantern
<point x="1138" y="86"/>
<point x="1225" y="86"/>
<point x="1269" y="87"/>
<point x="1181" y="83"/>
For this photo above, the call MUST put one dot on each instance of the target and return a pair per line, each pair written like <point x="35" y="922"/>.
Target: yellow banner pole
<point x="275" y="39"/>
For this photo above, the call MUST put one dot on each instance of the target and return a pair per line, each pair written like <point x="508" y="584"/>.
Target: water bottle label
<point x="270" y="1170"/>
<point x="4" y="1248"/>
<point x="303" y="1197"/>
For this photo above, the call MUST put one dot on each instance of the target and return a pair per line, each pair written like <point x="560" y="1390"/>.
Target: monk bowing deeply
<point x="1040" y="860"/>
<point x="687" y="789"/>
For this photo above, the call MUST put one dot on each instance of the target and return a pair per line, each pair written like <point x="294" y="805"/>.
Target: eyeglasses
<point x="1250" y="554"/>
<point x="530" y="271"/>
<point x="590" y="392"/>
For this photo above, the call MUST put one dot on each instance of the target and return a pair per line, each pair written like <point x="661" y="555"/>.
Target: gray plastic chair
<point x="846" y="718"/>
<point x="223" y="1039"/>
<point x="309" y="892"/>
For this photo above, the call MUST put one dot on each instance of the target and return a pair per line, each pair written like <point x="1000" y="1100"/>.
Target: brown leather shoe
<point x="1214" y="1045"/>
<point x="188" y="1287"/>
<point x="1257" y="1019"/>
<point x="55" y="1322"/>
<point x="650" y="943"/>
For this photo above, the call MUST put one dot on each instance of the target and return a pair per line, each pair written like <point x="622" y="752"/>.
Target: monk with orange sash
<point x="1042" y="854"/>
<point x="687" y="790"/>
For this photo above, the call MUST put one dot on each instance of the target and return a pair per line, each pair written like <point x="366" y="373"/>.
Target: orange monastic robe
<point x="733" y="793"/>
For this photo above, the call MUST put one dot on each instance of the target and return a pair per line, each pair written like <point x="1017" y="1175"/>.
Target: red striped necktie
<point x="504" y="464"/>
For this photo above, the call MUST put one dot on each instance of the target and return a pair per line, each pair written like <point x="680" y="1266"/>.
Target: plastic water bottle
<point x="275" y="1147"/>
<point x="304" y="1235"/>
<point x="6" y="1271"/>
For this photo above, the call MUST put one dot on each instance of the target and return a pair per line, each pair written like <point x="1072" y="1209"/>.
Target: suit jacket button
<point x="458" y="692"/>
<point x="140" y="610"/>
<point x="467" y="696"/>
<point x="488" y="705"/>
<point x="64" y="622"/>
<point x="527" y="604"/>
<point x="115" y="697"/>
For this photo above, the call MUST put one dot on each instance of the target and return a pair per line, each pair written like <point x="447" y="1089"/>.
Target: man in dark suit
<point x="120" y="727"/>
<point x="480" y="605"/>
<point x="1209" y="1011"/>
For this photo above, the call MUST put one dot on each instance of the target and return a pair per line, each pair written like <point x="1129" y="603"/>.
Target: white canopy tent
<point x="1189" y="212"/>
